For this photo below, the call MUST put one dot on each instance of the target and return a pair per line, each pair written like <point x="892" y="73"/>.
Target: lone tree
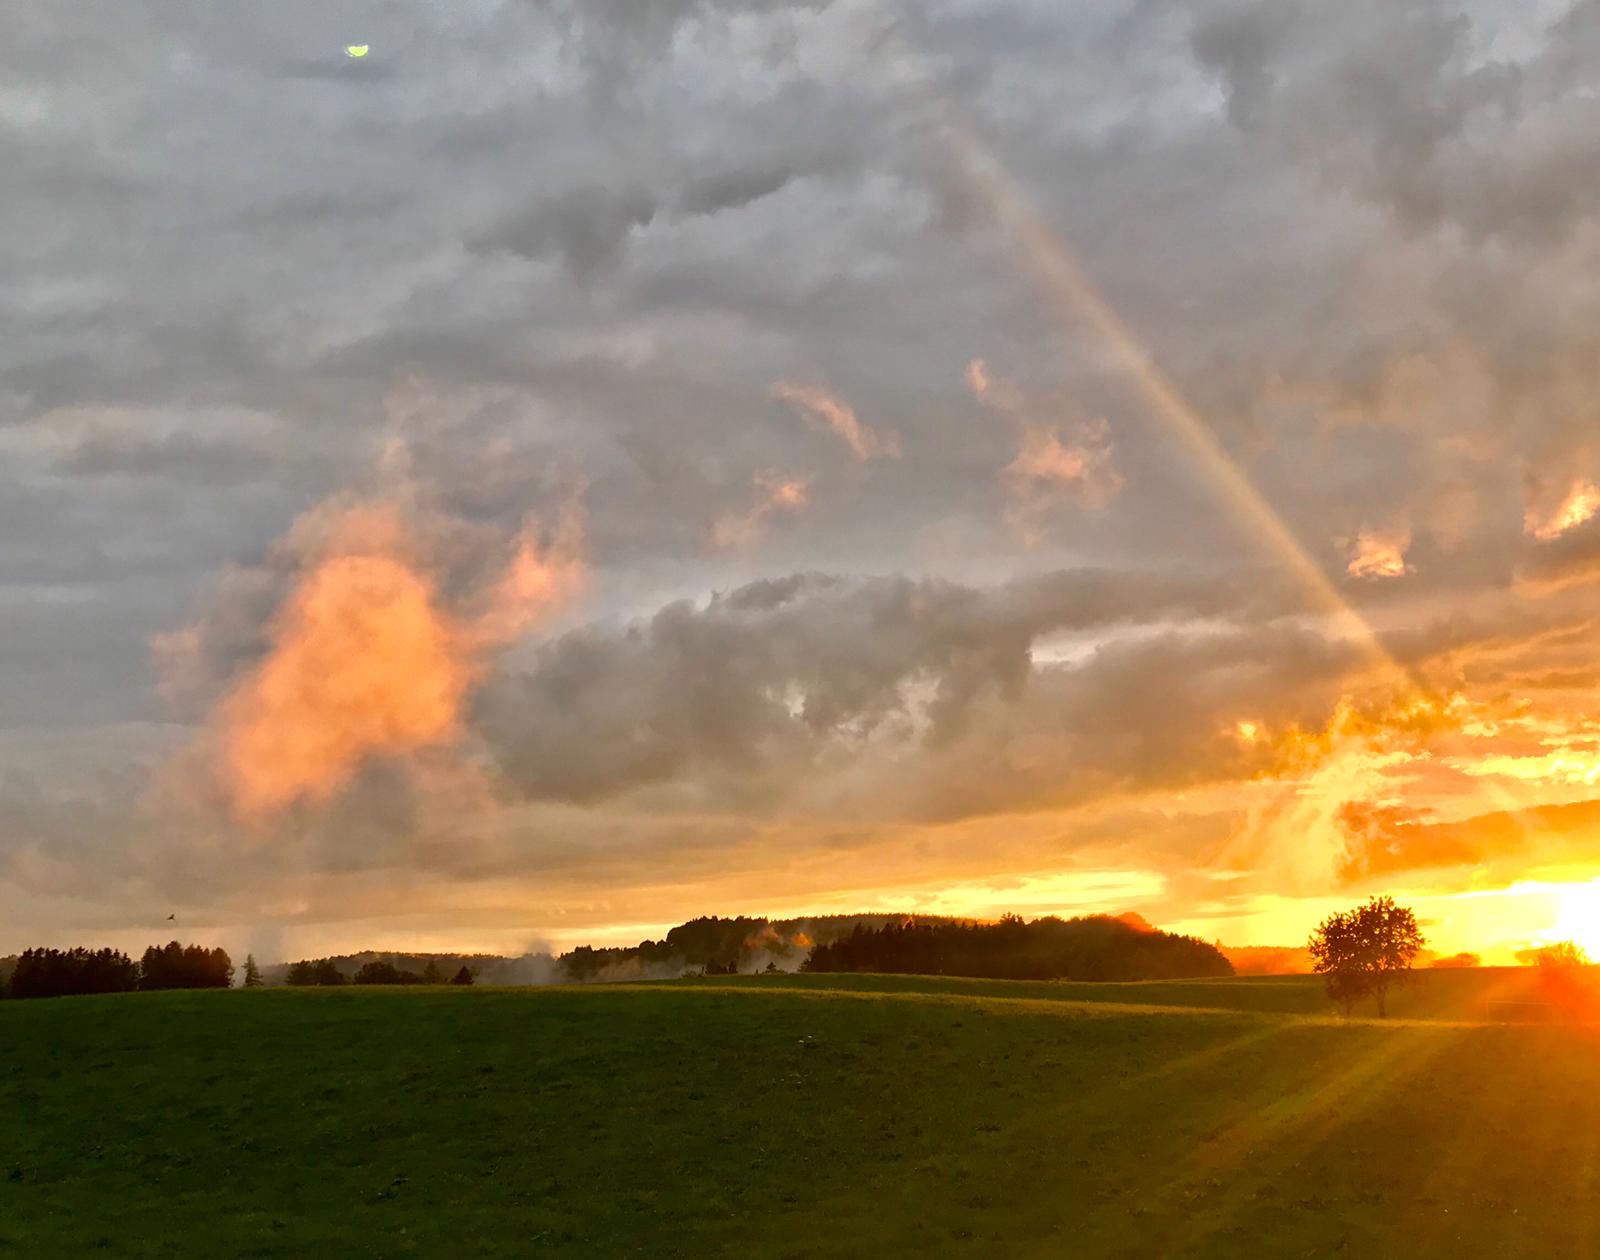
<point x="1361" y="952"/>
<point x="252" y="973"/>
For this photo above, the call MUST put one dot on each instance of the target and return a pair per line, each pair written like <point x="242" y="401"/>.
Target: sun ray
<point x="1304" y="1116"/>
<point x="1077" y="303"/>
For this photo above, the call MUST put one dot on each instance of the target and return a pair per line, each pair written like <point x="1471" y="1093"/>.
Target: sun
<point x="1578" y="917"/>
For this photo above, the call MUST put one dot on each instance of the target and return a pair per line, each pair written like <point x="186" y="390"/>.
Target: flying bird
<point x="171" y="917"/>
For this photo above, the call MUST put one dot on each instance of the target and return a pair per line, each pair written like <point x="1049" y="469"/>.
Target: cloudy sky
<point x="587" y="464"/>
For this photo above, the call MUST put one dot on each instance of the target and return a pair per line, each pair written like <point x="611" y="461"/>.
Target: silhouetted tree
<point x="175" y="966"/>
<point x="314" y="971"/>
<point x="1361" y="953"/>
<point x="378" y="973"/>
<point x="1095" y="947"/>
<point x="430" y="974"/>
<point x="462" y="977"/>
<point x="252" y="973"/>
<point x="63" y="973"/>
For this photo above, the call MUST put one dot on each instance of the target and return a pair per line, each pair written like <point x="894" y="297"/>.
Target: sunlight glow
<point x="1578" y="918"/>
<point x="1578" y="508"/>
<point x="1559" y="767"/>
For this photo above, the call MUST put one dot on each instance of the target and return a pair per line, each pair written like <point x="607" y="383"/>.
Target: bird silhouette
<point x="171" y="917"/>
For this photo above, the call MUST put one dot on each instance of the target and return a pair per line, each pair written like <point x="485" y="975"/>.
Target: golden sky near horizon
<point x="592" y="470"/>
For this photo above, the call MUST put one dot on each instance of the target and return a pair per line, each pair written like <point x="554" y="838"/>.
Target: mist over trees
<point x="1096" y="947"/>
<point x="379" y="972"/>
<point x="720" y="947"/>
<point x="706" y="945"/>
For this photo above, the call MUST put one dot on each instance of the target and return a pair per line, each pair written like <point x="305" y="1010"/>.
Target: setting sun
<point x="1578" y="918"/>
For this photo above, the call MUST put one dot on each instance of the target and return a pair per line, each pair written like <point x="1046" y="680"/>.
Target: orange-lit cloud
<point x="1048" y="470"/>
<point x="1082" y="465"/>
<point x="1569" y="766"/>
<point x="834" y="413"/>
<point x="545" y="572"/>
<point x="989" y="389"/>
<point x="365" y="659"/>
<point x="1380" y="554"/>
<point x="1053" y="464"/>
<point x="778" y="492"/>
<point x="1578" y="508"/>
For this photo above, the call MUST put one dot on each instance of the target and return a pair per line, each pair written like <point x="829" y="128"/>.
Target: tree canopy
<point x="63" y="973"/>
<point x="314" y="971"/>
<point x="175" y="966"/>
<point x="1362" y="952"/>
<point x="1097" y="947"/>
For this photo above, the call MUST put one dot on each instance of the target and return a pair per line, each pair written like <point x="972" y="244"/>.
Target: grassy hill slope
<point x="794" y="1116"/>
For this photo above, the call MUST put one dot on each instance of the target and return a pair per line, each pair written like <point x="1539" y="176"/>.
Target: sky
<point x="581" y="466"/>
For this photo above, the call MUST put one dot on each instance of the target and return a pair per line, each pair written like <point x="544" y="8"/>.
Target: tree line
<point x="1095" y="947"/>
<point x="70" y="972"/>
<point x="315" y="972"/>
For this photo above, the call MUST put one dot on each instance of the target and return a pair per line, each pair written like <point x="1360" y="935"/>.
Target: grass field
<point x="797" y="1116"/>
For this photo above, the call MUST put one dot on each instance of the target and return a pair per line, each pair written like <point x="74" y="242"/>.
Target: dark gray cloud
<point x="757" y="685"/>
<point x="1412" y="106"/>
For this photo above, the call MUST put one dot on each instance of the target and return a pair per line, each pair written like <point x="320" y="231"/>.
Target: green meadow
<point x="798" y="1117"/>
